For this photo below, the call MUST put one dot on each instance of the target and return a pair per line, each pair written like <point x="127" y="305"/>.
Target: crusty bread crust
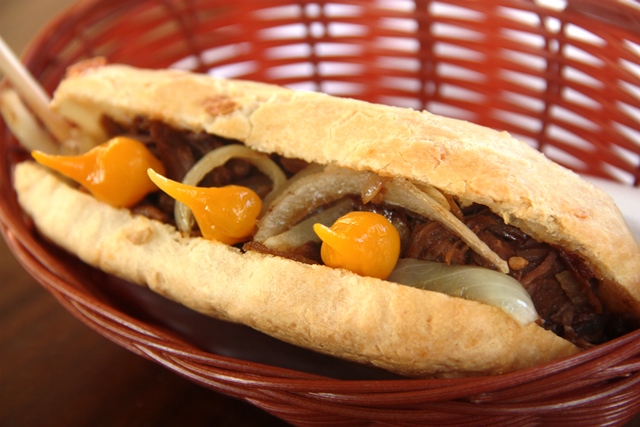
<point x="473" y="163"/>
<point x="398" y="328"/>
<point x="404" y="330"/>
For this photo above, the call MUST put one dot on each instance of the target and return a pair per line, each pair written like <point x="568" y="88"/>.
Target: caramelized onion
<point x="216" y="158"/>
<point x="320" y="188"/>
<point x="435" y="194"/>
<point x="469" y="282"/>
<point x="372" y="188"/>
<point x="303" y="232"/>
<point x="305" y="195"/>
<point x="313" y="168"/>
<point x="403" y="193"/>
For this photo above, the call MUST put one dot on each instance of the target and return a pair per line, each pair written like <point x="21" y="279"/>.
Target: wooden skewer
<point x="32" y="93"/>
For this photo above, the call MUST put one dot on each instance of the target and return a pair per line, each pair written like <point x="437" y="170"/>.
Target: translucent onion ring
<point x="216" y="158"/>
<point x="317" y="189"/>
<point x="404" y="194"/>
<point x="469" y="282"/>
<point x="306" y="194"/>
<point x="302" y="232"/>
<point x="372" y="188"/>
<point x="275" y="193"/>
<point x="435" y="194"/>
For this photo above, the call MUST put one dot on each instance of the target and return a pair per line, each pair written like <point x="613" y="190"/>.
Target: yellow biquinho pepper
<point x="226" y="214"/>
<point x="114" y="172"/>
<point x="363" y="242"/>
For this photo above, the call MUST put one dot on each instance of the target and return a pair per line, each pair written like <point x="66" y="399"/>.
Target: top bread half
<point x="472" y="163"/>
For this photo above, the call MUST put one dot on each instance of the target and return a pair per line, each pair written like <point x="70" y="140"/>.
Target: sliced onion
<point x="216" y="158"/>
<point x="323" y="187"/>
<point x="435" y="194"/>
<point x="303" y="232"/>
<point x="276" y="192"/>
<point x="473" y="283"/>
<point x="403" y="193"/>
<point x="307" y="194"/>
<point x="372" y="187"/>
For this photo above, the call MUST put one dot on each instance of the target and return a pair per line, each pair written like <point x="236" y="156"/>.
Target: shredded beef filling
<point x="562" y="287"/>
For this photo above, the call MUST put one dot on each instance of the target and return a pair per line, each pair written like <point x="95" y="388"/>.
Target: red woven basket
<point x="565" y="78"/>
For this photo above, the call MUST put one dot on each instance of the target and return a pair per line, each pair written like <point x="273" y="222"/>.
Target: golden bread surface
<point x="473" y="163"/>
<point x="398" y="328"/>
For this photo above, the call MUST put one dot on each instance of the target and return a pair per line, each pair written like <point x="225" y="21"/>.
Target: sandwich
<point x="423" y="245"/>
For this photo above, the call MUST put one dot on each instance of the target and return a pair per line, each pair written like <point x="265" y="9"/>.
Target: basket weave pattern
<point x="565" y="81"/>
